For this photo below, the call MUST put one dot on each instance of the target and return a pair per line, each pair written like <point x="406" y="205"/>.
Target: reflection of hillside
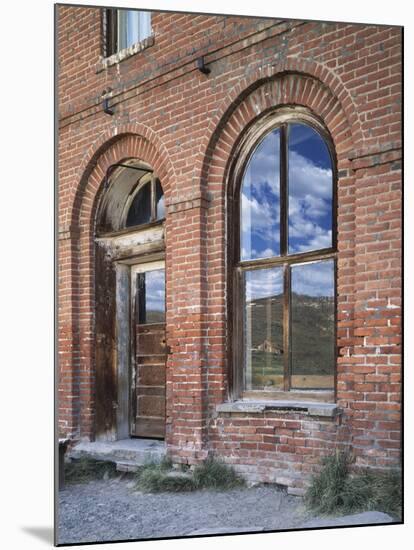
<point x="155" y="316"/>
<point x="312" y="335"/>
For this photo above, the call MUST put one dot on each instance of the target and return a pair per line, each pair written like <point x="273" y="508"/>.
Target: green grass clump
<point x="212" y="474"/>
<point x="87" y="469"/>
<point x="380" y="491"/>
<point x="215" y="474"/>
<point x="335" y="491"/>
<point x="324" y="493"/>
<point x="153" y="478"/>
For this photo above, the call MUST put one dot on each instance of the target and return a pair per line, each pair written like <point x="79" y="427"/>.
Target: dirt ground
<point x="114" y="510"/>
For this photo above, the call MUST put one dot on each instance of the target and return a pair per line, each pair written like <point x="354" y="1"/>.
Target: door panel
<point x="149" y="351"/>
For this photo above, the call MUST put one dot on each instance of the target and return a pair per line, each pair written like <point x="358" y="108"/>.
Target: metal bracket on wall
<point x="200" y="64"/>
<point x="106" y="108"/>
<point x="105" y="102"/>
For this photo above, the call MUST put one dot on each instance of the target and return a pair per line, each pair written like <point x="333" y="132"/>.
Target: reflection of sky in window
<point x="310" y="190"/>
<point x="155" y="290"/>
<point x="263" y="283"/>
<point x="260" y="233"/>
<point x="314" y="279"/>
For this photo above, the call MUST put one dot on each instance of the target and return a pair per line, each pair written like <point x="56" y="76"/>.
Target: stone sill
<point x="328" y="410"/>
<point x="126" y="53"/>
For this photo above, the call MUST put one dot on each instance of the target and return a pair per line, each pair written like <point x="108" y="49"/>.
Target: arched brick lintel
<point x="113" y="145"/>
<point x="294" y="82"/>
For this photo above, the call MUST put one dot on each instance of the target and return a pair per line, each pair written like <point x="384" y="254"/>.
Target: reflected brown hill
<point x="312" y="334"/>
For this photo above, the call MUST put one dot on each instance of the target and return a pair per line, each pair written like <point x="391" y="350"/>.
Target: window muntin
<point x="146" y="204"/>
<point x="124" y="28"/>
<point x="298" y="193"/>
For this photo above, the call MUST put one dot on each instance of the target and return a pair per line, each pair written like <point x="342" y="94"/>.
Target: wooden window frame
<point x="236" y="352"/>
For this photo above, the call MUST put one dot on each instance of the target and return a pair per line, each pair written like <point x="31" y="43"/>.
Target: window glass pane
<point x="140" y="209"/>
<point x="151" y="297"/>
<point x="310" y="190"/>
<point x="159" y="201"/>
<point x="133" y="26"/>
<point x="263" y="329"/>
<point x="312" y="325"/>
<point x="144" y="24"/>
<point x="126" y="27"/>
<point x="260" y="212"/>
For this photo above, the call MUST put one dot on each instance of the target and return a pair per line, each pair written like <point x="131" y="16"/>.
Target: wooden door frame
<point x="122" y="265"/>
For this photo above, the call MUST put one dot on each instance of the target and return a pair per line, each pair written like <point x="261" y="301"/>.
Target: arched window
<point x="285" y="263"/>
<point x="146" y="202"/>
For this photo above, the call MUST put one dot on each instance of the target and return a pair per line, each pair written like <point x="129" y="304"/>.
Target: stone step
<point x="128" y="452"/>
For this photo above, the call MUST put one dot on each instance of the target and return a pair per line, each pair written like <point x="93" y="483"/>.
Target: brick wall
<point x="187" y="125"/>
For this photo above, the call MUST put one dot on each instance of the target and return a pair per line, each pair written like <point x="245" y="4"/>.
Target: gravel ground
<point x="113" y="510"/>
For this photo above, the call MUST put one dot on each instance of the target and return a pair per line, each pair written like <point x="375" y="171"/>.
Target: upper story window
<point x="124" y="28"/>
<point x="285" y="264"/>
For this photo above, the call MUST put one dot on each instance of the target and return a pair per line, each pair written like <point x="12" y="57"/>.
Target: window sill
<point x="126" y="53"/>
<point x="328" y="410"/>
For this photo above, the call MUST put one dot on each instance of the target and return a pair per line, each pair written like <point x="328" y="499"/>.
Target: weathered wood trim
<point x="122" y="349"/>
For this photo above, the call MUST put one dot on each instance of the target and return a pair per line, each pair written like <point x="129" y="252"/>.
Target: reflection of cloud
<point x="310" y="196"/>
<point x="260" y="227"/>
<point x="263" y="283"/>
<point x="260" y="201"/>
<point x="263" y="166"/>
<point x="155" y="290"/>
<point x="306" y="178"/>
<point x="322" y="240"/>
<point x="314" y="279"/>
<point x="310" y="279"/>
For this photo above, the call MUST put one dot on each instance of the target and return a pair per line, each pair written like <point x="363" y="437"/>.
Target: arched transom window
<point x="285" y="264"/>
<point x="146" y="202"/>
<point x="133" y="199"/>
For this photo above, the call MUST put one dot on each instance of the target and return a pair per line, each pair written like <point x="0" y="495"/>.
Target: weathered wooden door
<point x="149" y="350"/>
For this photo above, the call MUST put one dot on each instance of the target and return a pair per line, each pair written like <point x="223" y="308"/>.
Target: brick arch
<point x="117" y="143"/>
<point x="246" y="106"/>
<point x="114" y="145"/>
<point x="290" y="82"/>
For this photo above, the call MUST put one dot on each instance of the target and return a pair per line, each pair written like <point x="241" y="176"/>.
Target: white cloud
<point x="264" y="283"/>
<point x="306" y="178"/>
<point x="314" y="279"/>
<point x="310" y="198"/>
<point x="155" y="290"/>
<point x="260" y="218"/>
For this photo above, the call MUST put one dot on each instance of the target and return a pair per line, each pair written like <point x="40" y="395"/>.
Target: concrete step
<point x="128" y="453"/>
